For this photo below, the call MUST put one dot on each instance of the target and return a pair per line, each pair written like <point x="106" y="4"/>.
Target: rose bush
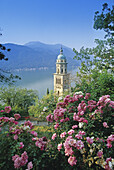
<point x="83" y="131"/>
<point x="82" y="137"/>
<point x="20" y="145"/>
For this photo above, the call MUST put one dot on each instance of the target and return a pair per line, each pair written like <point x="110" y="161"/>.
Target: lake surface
<point x="38" y="80"/>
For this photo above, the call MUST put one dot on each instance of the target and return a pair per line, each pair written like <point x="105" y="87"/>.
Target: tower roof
<point x="61" y="56"/>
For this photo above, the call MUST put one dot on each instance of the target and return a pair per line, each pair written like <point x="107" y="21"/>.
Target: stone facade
<point x="61" y="77"/>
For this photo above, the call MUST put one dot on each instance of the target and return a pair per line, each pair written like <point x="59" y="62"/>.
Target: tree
<point x="99" y="58"/>
<point x="6" y="76"/>
<point x="19" y="99"/>
<point x="44" y="106"/>
<point x="105" y="20"/>
<point x="47" y="91"/>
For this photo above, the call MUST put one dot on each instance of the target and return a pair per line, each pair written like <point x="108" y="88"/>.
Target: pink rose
<point x="89" y="140"/>
<point x="79" y="145"/>
<point x="74" y="126"/>
<point x="62" y="135"/>
<point x="21" y="145"/>
<point x="15" y="137"/>
<point x="2" y="111"/>
<point x="17" y="116"/>
<point x="78" y="136"/>
<point x="67" y="119"/>
<point x="30" y="165"/>
<point x="7" y="109"/>
<point x="72" y="160"/>
<point x="62" y="120"/>
<point x="82" y="133"/>
<point x="59" y="146"/>
<point x="87" y="95"/>
<point x="99" y="153"/>
<point x="105" y="125"/>
<point x="70" y="132"/>
<point x="34" y="133"/>
<point x="56" y="126"/>
<point x="85" y="121"/>
<point x="54" y="136"/>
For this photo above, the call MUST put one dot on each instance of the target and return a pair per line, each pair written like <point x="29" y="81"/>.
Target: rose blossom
<point x="89" y="140"/>
<point x="34" y="133"/>
<point x="21" y="145"/>
<point x="62" y="120"/>
<point x="17" y="116"/>
<point x="59" y="146"/>
<point x="54" y="136"/>
<point x="2" y="111"/>
<point x="56" y="126"/>
<point x="105" y="125"/>
<point x="7" y="109"/>
<point x="78" y="136"/>
<point x="79" y="145"/>
<point x="82" y="133"/>
<point x="72" y="142"/>
<point x="15" y="137"/>
<point x="62" y="135"/>
<point x="100" y="153"/>
<point x="70" y="132"/>
<point x="74" y="126"/>
<point x="30" y="165"/>
<point x="72" y="160"/>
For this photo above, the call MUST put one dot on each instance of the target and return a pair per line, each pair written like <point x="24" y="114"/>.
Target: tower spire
<point x="61" y="50"/>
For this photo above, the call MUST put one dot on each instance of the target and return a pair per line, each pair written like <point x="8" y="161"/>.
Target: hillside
<point x="35" y="55"/>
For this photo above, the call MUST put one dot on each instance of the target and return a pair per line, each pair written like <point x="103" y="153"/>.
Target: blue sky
<point x="68" y="22"/>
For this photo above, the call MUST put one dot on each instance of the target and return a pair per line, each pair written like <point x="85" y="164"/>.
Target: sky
<point x="67" y="22"/>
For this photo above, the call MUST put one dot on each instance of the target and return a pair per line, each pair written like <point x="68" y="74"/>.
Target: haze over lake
<point x="39" y="80"/>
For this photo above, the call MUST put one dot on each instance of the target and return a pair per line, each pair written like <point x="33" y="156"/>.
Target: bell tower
<point x="61" y="77"/>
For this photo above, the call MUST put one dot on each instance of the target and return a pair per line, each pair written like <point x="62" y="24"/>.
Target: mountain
<point x="35" y="55"/>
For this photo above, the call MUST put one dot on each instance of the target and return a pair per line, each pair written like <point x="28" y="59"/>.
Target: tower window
<point x="58" y="81"/>
<point x="61" y="70"/>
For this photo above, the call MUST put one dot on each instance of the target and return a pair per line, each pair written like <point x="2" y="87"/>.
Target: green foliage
<point x="99" y="86"/>
<point x="43" y="107"/>
<point x="105" y="20"/>
<point x="19" y="99"/>
<point x="97" y="62"/>
<point x="102" y="59"/>
<point x="95" y="115"/>
<point x="10" y="147"/>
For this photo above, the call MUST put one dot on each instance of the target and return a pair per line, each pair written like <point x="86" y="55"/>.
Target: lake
<point x="39" y="79"/>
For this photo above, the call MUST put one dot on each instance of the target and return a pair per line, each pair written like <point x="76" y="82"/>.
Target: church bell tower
<point x="61" y="77"/>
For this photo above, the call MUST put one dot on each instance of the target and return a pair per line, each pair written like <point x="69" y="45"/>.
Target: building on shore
<point x="61" y="77"/>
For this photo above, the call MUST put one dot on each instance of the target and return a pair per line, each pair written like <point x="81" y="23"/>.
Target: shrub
<point x="43" y="107"/>
<point x="99" y="86"/>
<point x="20" y="145"/>
<point x="83" y="131"/>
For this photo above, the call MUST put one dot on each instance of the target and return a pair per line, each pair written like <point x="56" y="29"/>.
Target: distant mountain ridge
<point x="35" y="55"/>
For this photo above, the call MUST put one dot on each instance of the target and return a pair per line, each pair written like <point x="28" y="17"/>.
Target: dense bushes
<point x="43" y="107"/>
<point x="102" y="85"/>
<point x="82" y="137"/>
<point x="19" y="99"/>
<point x="20" y="146"/>
<point x="83" y="131"/>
